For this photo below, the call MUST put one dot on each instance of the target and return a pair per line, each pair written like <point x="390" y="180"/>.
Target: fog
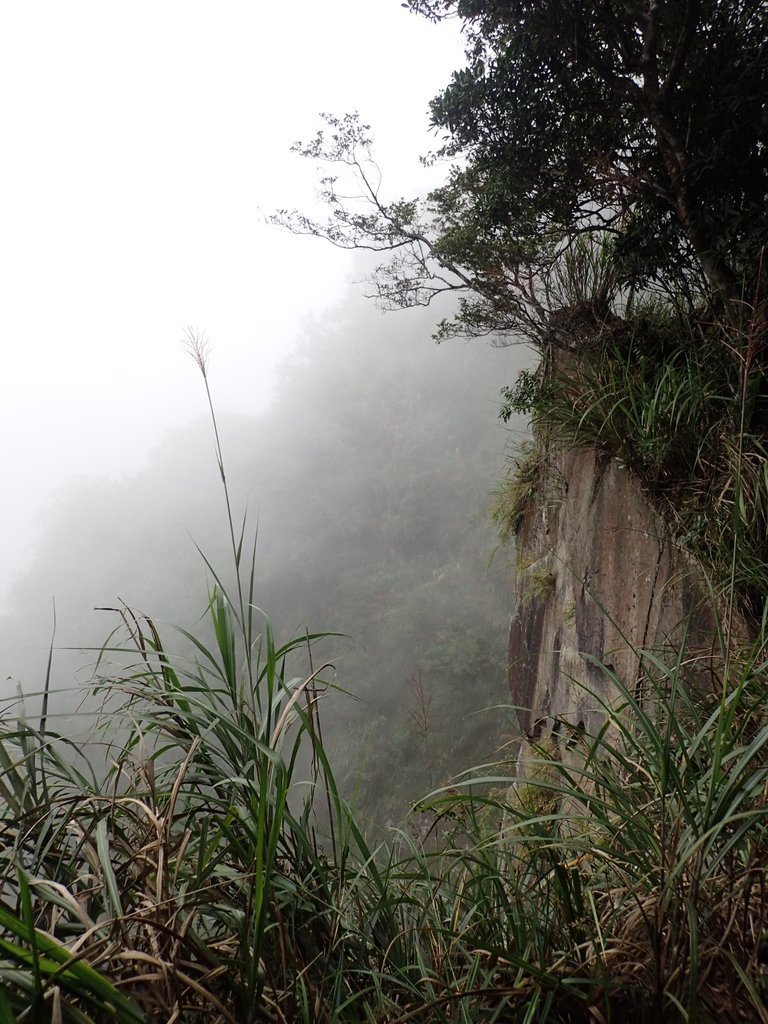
<point x="143" y="146"/>
<point x="368" y="481"/>
<point x="147" y="148"/>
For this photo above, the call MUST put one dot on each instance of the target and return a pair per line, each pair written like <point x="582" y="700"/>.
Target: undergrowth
<point x="518" y="490"/>
<point x="192" y="882"/>
<point x="684" y="407"/>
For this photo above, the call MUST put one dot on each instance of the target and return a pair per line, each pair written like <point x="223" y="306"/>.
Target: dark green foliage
<point x="192" y="883"/>
<point x="522" y="397"/>
<point x="663" y="394"/>
<point x="641" y="124"/>
<point x="645" y="120"/>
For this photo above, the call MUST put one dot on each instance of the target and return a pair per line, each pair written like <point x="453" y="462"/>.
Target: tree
<point x="642" y="125"/>
<point x="503" y="283"/>
<point x="655" y="111"/>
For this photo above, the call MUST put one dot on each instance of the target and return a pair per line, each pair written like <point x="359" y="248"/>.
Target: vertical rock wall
<point x="599" y="580"/>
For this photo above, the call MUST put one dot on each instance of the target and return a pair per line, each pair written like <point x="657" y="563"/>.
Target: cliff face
<point x="598" y="578"/>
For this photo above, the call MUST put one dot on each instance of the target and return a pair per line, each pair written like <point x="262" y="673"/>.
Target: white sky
<point x="141" y="142"/>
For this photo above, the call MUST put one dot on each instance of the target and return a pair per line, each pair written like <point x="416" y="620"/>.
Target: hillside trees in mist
<point x="368" y="478"/>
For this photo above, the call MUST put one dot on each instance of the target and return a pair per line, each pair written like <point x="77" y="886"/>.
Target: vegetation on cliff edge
<point x="627" y="881"/>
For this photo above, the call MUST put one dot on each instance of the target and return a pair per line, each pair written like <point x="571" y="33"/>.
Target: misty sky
<point x="142" y="145"/>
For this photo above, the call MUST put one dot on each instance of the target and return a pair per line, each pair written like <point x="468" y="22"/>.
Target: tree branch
<point x="684" y="43"/>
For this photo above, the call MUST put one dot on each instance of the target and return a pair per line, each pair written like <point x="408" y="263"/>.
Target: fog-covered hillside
<point x="368" y="480"/>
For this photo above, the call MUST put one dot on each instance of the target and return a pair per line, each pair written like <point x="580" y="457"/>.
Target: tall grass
<point x="191" y="884"/>
<point x="687" y="418"/>
<point x="624" y="880"/>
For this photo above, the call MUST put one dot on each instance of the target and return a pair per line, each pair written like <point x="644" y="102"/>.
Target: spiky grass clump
<point x="687" y="414"/>
<point x="189" y="882"/>
<point x="187" y="874"/>
<point x="517" y="492"/>
<point x="635" y="875"/>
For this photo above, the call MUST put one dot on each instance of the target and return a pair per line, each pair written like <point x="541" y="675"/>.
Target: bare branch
<point x="504" y="284"/>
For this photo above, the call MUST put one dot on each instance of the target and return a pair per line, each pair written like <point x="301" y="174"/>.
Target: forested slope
<point x="369" y="479"/>
<point x="606" y="200"/>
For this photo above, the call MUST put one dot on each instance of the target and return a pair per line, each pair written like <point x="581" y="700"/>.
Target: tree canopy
<point x="641" y="126"/>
